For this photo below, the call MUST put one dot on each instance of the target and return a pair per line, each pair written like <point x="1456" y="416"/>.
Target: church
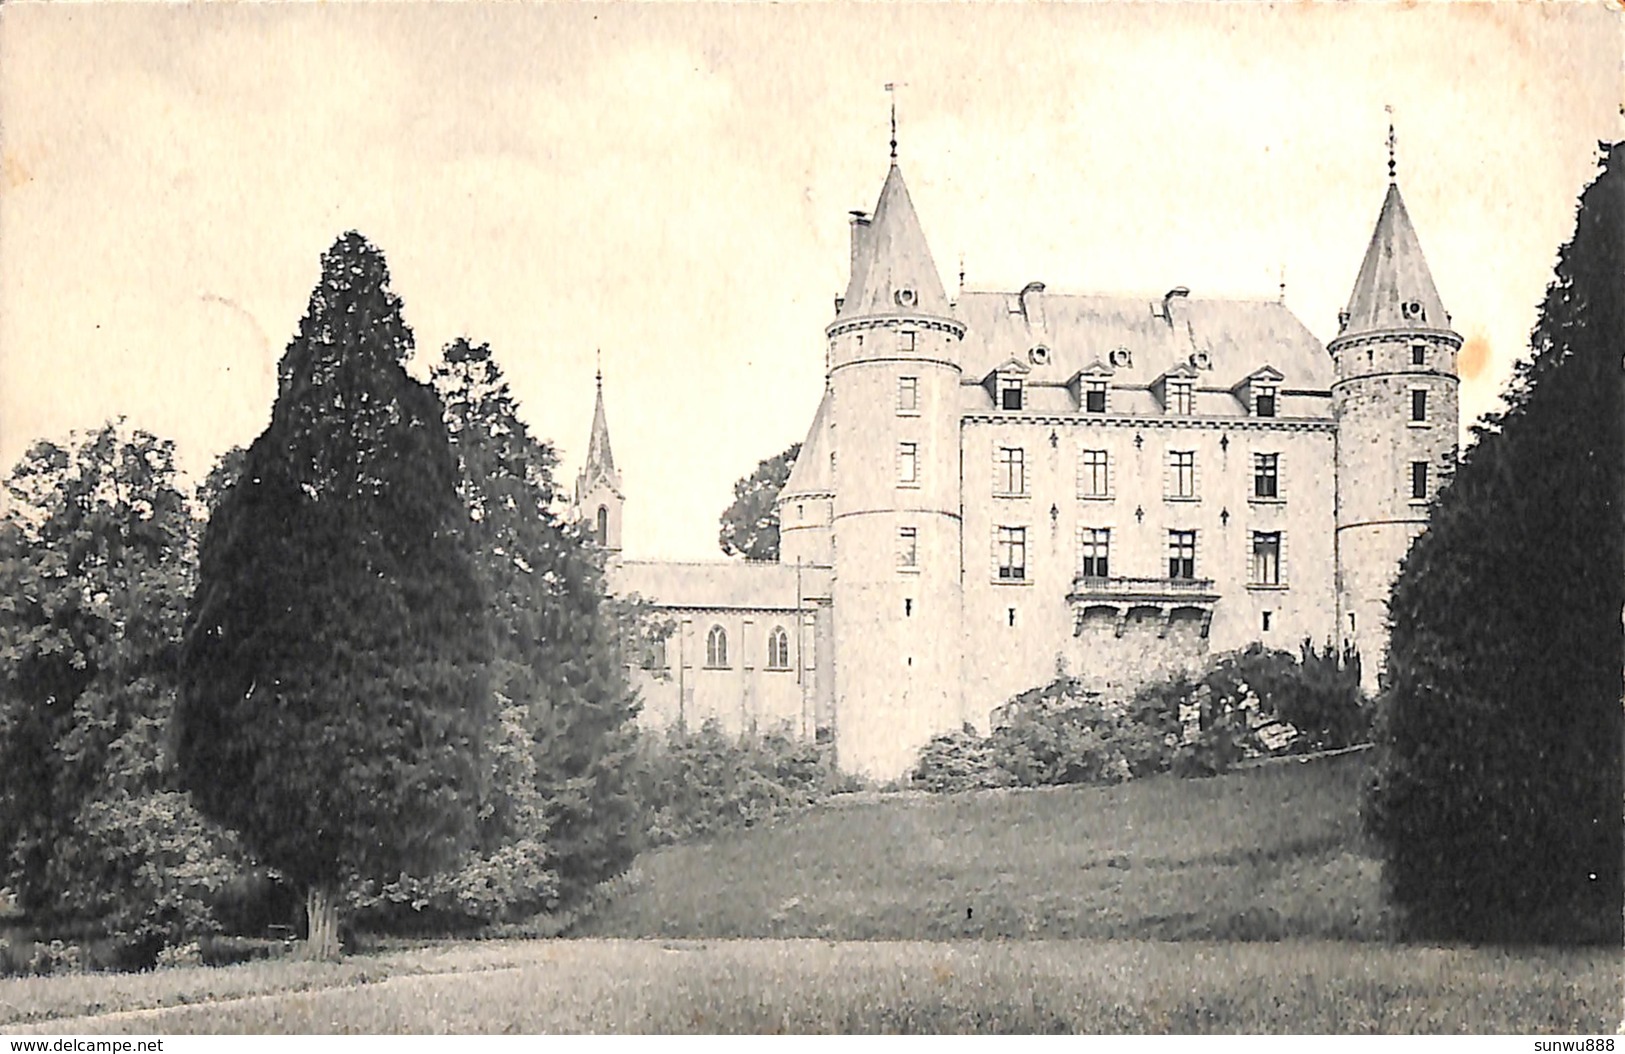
<point x="1007" y="481"/>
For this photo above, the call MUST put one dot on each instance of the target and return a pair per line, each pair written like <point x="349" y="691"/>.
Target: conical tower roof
<point x="892" y="270"/>
<point x="600" y="463"/>
<point x="811" y="473"/>
<point x="1394" y="289"/>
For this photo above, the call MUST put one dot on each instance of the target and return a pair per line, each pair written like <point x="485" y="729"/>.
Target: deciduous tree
<point x="750" y="526"/>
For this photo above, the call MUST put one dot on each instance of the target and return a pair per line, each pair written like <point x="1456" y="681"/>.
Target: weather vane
<point x="1390" y="111"/>
<point x="891" y="89"/>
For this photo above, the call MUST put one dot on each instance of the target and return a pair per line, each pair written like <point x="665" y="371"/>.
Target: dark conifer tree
<point x="561" y="642"/>
<point x="333" y="681"/>
<point x="1498" y="788"/>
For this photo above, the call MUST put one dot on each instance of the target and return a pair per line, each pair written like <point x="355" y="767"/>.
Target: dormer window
<point x="1181" y="395"/>
<point x="1413" y="311"/>
<point x="1094" y="397"/>
<point x="1264" y="401"/>
<point x="1009" y="393"/>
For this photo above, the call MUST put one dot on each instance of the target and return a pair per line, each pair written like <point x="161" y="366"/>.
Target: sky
<point x="667" y="187"/>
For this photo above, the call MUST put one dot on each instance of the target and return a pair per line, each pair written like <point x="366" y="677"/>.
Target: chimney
<point x="860" y="231"/>
<point x="1178" y="292"/>
<point x="1032" y="308"/>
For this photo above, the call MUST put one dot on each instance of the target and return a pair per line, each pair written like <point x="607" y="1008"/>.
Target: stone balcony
<point x="1121" y="596"/>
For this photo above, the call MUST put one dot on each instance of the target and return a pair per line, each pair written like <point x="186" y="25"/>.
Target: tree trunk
<point x="322" y="921"/>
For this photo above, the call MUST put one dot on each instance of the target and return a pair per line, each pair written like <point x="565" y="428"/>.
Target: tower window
<point x="602" y="530"/>
<point x="1266" y="475"/>
<point x="1414" y="311"/>
<point x="1182" y="554"/>
<point x="908" y="394"/>
<point x="1419" y="480"/>
<point x="1182" y="473"/>
<point x="908" y="464"/>
<point x="1094" y="397"/>
<point x="1419" y="404"/>
<point x="1011" y="471"/>
<point x="1010" y="393"/>
<point x="1267" y="615"/>
<point x="1267" y="558"/>
<point x="1419" y="354"/>
<point x="1264" y="405"/>
<point x="716" y="648"/>
<point x="908" y="547"/>
<point x="1094" y="552"/>
<point x="905" y="340"/>
<point x="908" y="607"/>
<point x="1011" y="552"/>
<point x="1092" y="474"/>
<point x="1181" y="396"/>
<point x="778" y="649"/>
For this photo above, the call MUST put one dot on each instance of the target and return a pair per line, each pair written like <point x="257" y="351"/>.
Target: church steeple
<point x="598" y="497"/>
<point x="1394" y="289"/>
<point x="892" y="269"/>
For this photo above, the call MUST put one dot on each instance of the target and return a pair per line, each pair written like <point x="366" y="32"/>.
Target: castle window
<point x="1011" y="471"/>
<point x="908" y="464"/>
<point x="1010" y="393"/>
<point x="1414" y="311"/>
<point x="1094" y="397"/>
<point x="908" y="395"/>
<point x="716" y="648"/>
<point x="1182" y="473"/>
<point x="1094" y="552"/>
<point x="654" y="656"/>
<point x="1093" y="481"/>
<point x="1011" y="552"/>
<point x="1264" y="404"/>
<point x="905" y="340"/>
<point x="1419" y="404"/>
<point x="908" y="547"/>
<point x="1419" y="480"/>
<point x="1266" y="475"/>
<point x="602" y="529"/>
<point x="1181" y="396"/>
<point x="1419" y="354"/>
<point x="1182" y="554"/>
<point x="1267" y="558"/>
<point x="1267" y="621"/>
<point x="778" y="649"/>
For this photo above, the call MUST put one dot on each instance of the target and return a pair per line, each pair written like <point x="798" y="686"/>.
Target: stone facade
<point x="1005" y="481"/>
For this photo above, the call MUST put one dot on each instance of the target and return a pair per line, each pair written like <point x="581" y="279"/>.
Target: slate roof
<point x="811" y="474"/>
<point x="1393" y="274"/>
<point x="891" y="256"/>
<point x="711" y="584"/>
<point x="1238" y="337"/>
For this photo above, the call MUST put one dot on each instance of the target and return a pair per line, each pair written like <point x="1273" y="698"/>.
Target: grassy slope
<point x="1263" y="854"/>
<point x="974" y="986"/>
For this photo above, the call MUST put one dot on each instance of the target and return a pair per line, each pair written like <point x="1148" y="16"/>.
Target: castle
<point x="1005" y="480"/>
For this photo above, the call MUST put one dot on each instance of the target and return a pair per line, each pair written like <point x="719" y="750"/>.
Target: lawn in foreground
<point x="759" y="986"/>
<point x="1261" y="854"/>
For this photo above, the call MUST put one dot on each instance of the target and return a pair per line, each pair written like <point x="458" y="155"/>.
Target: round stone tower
<point x="893" y="406"/>
<point x="1395" y="399"/>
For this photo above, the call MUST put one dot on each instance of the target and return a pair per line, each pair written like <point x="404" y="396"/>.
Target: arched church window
<point x="603" y="525"/>
<point x="716" y="647"/>
<point x="778" y="649"/>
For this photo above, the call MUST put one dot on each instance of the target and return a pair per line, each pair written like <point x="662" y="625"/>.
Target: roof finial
<point x="961" y="273"/>
<point x="891" y="89"/>
<point x="1283" y="283"/>
<point x="1391" y="167"/>
<point x="598" y="363"/>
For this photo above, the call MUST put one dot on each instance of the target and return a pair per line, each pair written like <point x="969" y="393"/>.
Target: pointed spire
<point x="892" y="269"/>
<point x="600" y="463"/>
<point x="1394" y="289"/>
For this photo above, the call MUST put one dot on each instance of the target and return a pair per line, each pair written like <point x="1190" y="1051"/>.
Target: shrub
<point x="698" y="782"/>
<point x="1061" y="733"/>
<point x="958" y="761"/>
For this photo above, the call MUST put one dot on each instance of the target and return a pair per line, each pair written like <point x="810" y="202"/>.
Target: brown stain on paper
<point x="1474" y="357"/>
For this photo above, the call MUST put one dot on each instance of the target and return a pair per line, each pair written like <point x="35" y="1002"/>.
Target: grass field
<point x="1264" y="854"/>
<point x="971" y="986"/>
<point x="1239" y="904"/>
